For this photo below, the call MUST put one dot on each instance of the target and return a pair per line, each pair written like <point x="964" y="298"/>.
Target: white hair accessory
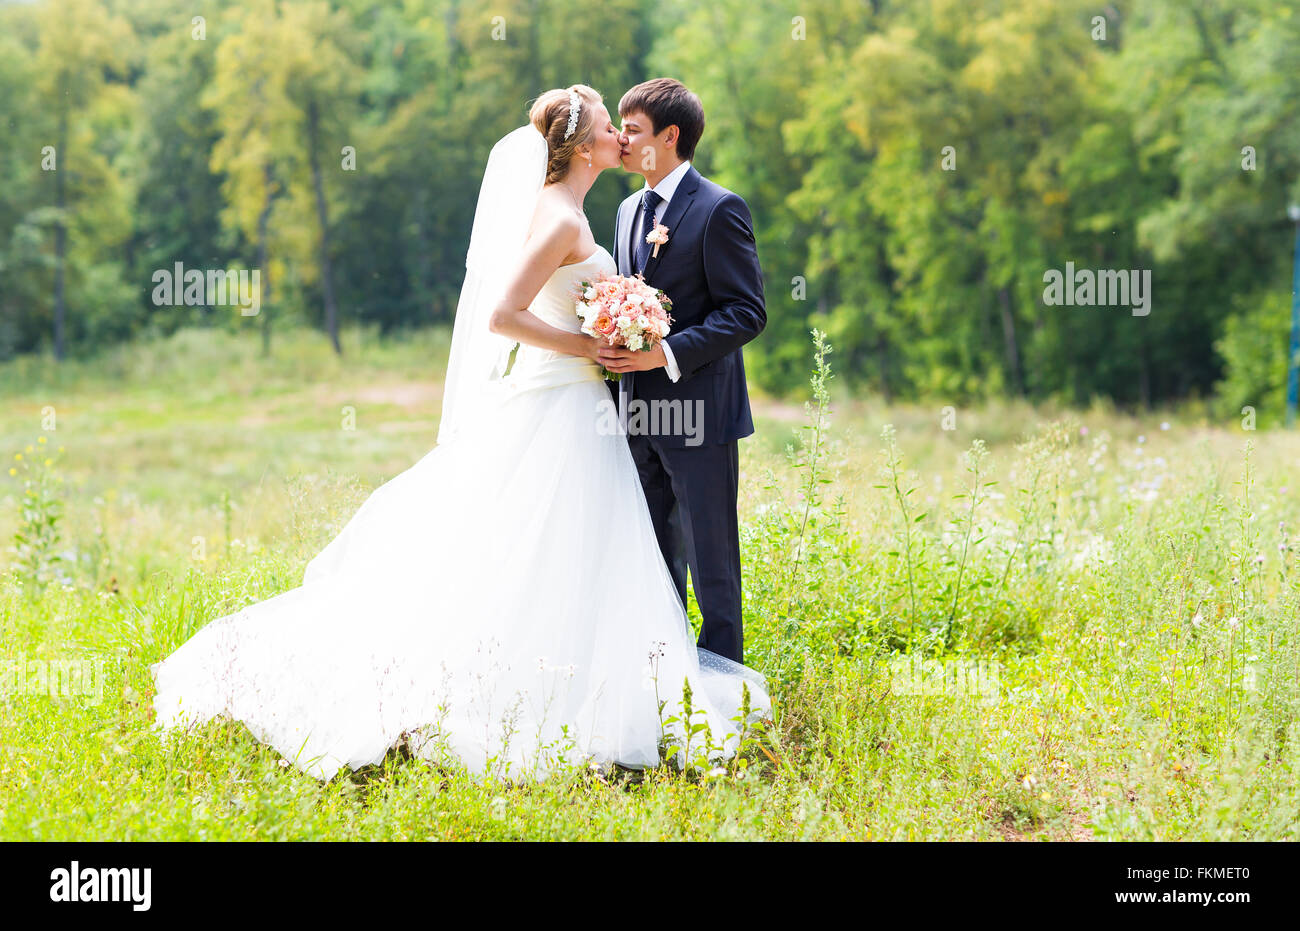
<point x="575" y="104"/>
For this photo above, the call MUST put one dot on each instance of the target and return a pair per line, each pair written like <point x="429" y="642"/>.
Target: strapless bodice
<point x="555" y="305"/>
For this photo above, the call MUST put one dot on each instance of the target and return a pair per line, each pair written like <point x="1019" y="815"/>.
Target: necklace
<point x="572" y="195"/>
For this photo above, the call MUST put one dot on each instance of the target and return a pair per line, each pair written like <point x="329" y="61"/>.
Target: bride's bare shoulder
<point x="553" y="222"/>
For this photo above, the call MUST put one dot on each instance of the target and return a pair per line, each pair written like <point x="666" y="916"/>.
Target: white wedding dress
<point x="498" y="602"/>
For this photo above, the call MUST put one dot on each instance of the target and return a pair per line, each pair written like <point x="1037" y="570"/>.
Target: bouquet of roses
<point x="625" y="312"/>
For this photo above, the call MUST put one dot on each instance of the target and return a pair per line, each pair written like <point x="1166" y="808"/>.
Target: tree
<point x="284" y="91"/>
<point x="78" y="70"/>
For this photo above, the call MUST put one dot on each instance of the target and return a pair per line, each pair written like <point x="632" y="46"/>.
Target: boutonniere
<point x="657" y="237"/>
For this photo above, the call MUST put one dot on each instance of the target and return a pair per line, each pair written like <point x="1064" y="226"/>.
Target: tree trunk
<point x="263" y="220"/>
<point x="60" y="234"/>
<point x="882" y="353"/>
<point x="424" y="271"/>
<point x="1009" y="341"/>
<point x="322" y="213"/>
<point x="1144" y="375"/>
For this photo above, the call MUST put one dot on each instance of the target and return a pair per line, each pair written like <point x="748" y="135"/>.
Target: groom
<point x="709" y="269"/>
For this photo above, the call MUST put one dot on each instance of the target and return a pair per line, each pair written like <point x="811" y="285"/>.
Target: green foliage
<point x="1256" y="337"/>
<point x="913" y="170"/>
<point x="40" y="508"/>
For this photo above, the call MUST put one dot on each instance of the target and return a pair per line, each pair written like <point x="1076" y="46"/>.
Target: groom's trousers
<point x="691" y="493"/>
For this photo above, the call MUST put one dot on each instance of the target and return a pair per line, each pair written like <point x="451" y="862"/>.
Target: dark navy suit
<point x="709" y="269"/>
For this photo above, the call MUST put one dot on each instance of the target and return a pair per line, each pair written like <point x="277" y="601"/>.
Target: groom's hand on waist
<point x="627" y="360"/>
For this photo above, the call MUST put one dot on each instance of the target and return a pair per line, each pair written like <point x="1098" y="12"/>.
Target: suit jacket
<point x="709" y="269"/>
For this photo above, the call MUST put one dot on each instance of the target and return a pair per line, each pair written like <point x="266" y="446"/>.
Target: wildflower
<point x="1233" y="623"/>
<point x="40" y="439"/>
<point x="1164" y="425"/>
<point x="13" y="471"/>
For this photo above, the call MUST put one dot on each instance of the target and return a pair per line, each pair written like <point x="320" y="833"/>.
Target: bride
<point x="503" y="603"/>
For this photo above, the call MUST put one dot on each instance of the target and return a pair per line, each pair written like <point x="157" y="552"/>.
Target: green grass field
<point x="1125" y="587"/>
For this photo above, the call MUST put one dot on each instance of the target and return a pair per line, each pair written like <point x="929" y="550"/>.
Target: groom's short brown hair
<point x="667" y="103"/>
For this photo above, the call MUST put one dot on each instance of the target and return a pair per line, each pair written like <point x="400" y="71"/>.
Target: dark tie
<point x="649" y="202"/>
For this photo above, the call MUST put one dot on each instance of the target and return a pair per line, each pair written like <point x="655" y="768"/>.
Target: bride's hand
<point x="591" y="348"/>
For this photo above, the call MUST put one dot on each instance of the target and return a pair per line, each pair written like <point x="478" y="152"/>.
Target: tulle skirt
<point x="502" y="604"/>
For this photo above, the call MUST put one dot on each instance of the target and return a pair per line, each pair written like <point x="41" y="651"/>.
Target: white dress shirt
<point x="665" y="188"/>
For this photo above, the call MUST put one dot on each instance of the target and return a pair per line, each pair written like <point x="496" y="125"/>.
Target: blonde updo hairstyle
<point x="550" y="114"/>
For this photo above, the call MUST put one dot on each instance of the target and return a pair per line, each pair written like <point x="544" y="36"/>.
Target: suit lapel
<point x="683" y="197"/>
